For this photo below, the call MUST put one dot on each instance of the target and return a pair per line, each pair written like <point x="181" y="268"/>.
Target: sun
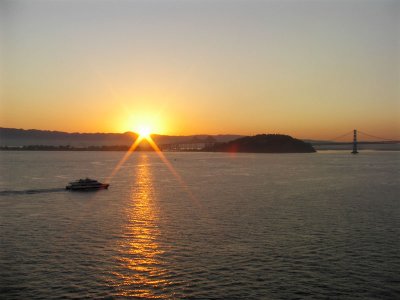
<point x="144" y="124"/>
<point x="144" y="131"/>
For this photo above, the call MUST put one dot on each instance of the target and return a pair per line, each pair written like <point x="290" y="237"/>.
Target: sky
<point x="308" y="68"/>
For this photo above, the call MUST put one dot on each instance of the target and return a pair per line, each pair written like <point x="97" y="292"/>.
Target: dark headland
<point x="265" y="143"/>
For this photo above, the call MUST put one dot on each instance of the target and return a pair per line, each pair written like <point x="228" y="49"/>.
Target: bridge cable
<point x="376" y="137"/>
<point x="341" y="136"/>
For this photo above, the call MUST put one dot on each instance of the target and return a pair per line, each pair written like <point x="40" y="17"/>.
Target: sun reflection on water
<point x="141" y="273"/>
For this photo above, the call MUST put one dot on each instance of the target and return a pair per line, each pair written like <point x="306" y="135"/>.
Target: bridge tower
<point x="354" y="142"/>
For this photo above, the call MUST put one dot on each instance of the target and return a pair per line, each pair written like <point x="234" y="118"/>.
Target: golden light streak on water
<point x="143" y="274"/>
<point x="140" y="254"/>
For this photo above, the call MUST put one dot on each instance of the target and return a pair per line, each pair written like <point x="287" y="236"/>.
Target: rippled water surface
<point x="204" y="225"/>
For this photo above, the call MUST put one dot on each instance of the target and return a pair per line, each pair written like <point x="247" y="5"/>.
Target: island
<point x="264" y="143"/>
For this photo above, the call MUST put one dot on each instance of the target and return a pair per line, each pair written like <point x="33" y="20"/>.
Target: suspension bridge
<point x="355" y="142"/>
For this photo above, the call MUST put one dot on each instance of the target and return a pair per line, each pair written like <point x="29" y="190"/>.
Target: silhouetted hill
<point x="265" y="143"/>
<point x="172" y="139"/>
<point x="20" y="137"/>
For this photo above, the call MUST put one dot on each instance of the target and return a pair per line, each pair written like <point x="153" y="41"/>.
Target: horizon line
<point x="396" y="139"/>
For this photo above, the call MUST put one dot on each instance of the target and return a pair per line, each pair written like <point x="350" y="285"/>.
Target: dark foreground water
<point x="204" y="226"/>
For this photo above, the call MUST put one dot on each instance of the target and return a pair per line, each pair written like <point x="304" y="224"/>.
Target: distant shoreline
<point x="90" y="149"/>
<point x="68" y="148"/>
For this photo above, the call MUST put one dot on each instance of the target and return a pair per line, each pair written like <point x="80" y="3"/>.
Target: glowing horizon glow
<point x="310" y="69"/>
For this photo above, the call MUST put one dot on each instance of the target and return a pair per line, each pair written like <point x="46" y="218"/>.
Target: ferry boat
<point x="86" y="184"/>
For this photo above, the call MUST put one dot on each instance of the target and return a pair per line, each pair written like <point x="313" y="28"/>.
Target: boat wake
<point x="32" y="191"/>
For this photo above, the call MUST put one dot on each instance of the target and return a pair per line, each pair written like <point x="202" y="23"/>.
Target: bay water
<point x="324" y="225"/>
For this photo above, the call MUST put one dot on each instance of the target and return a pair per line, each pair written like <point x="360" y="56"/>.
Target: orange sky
<point x="311" y="69"/>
